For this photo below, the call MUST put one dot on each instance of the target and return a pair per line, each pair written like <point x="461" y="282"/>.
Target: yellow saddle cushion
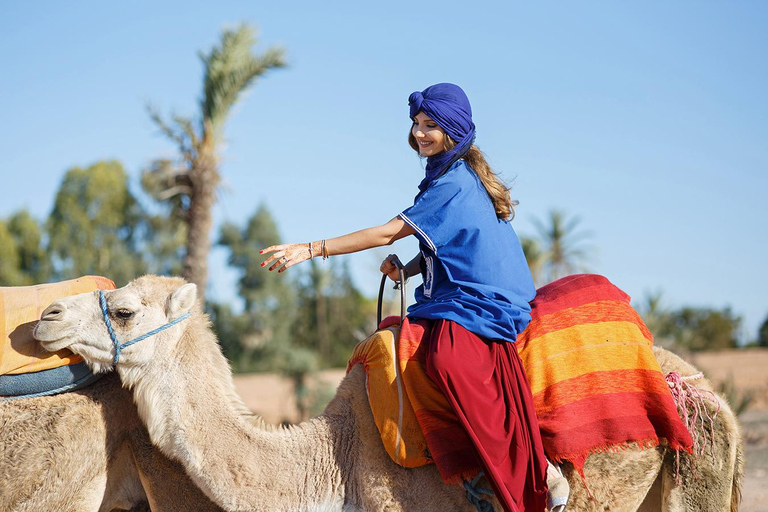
<point x="392" y="410"/>
<point x="20" y="309"/>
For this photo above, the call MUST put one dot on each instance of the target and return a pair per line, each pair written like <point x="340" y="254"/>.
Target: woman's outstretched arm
<point x="285" y="256"/>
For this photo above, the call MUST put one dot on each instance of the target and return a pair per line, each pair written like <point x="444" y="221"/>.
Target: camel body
<point x="182" y="386"/>
<point x="87" y="451"/>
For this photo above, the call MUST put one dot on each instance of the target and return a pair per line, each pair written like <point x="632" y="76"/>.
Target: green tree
<point x="333" y="314"/>
<point x="92" y="228"/>
<point x="657" y="318"/>
<point x="762" y="334"/>
<point x="190" y="183"/>
<point x="351" y="316"/>
<point x="28" y="235"/>
<point x="704" y="329"/>
<point x="561" y="242"/>
<point x="23" y="260"/>
<point x="270" y="299"/>
<point x="534" y="256"/>
<point x="10" y="261"/>
<point x="163" y="237"/>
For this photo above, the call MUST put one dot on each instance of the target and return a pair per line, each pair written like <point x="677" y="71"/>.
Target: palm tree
<point x="189" y="184"/>
<point x="561" y="243"/>
<point x="534" y="256"/>
<point x="657" y="318"/>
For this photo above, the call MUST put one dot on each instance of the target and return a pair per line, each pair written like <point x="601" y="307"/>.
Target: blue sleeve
<point x="430" y="215"/>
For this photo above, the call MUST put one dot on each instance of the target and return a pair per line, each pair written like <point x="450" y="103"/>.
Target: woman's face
<point x="429" y="136"/>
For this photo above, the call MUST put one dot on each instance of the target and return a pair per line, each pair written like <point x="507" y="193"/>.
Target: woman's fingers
<point x="278" y="252"/>
<point x="275" y="256"/>
<point x="387" y="266"/>
<point x="285" y="256"/>
<point x="280" y="261"/>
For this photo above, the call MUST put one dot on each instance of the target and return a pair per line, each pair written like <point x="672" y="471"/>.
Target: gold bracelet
<point x="324" y="251"/>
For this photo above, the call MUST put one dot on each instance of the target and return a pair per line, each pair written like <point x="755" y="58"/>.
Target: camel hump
<point x="25" y="366"/>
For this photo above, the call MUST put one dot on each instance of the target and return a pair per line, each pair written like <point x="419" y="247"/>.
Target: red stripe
<point x="574" y="291"/>
<point x="612" y="419"/>
<point x="599" y="384"/>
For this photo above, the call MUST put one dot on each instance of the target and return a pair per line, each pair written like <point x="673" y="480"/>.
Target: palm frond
<point x="163" y="180"/>
<point x="230" y="69"/>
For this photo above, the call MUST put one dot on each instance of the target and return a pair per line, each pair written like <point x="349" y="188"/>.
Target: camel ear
<point x="182" y="300"/>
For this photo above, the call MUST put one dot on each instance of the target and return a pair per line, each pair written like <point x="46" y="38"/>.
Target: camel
<point x="87" y="451"/>
<point x="181" y="384"/>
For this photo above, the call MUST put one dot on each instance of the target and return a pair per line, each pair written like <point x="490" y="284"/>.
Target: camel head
<point x="141" y="307"/>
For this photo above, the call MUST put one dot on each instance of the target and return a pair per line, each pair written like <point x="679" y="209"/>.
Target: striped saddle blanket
<point x="25" y="367"/>
<point x="588" y="356"/>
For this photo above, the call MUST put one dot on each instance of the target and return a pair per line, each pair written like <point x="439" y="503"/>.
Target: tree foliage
<point x="269" y="298"/>
<point x="534" y="256"/>
<point x="163" y="237"/>
<point x="92" y="228"/>
<point x="23" y="260"/>
<point x="28" y="236"/>
<point x="310" y="317"/>
<point x="699" y="329"/>
<point x="689" y="328"/>
<point x="10" y="261"/>
<point x="658" y="319"/>
<point x="762" y="334"/>
<point x="333" y="315"/>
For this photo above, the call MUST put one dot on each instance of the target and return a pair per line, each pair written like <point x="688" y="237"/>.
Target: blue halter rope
<point x="117" y="345"/>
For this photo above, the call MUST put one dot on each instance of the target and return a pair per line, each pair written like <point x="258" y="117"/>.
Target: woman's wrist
<point x="319" y="249"/>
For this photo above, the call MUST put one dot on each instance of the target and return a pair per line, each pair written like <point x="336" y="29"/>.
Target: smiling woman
<point x="428" y="136"/>
<point x="473" y="302"/>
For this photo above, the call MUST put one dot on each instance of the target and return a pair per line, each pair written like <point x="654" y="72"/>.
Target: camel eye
<point x="124" y="314"/>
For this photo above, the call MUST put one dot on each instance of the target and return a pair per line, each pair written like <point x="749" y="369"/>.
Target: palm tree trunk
<point x="205" y="181"/>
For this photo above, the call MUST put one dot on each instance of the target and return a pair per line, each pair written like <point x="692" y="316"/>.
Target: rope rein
<point x="118" y="346"/>
<point x="475" y="494"/>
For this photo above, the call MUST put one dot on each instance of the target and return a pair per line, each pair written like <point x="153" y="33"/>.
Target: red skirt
<point x="485" y="383"/>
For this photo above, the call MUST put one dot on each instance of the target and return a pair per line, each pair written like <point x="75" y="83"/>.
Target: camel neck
<point x="192" y="415"/>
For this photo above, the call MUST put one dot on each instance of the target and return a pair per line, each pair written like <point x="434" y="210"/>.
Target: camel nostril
<point x="53" y="312"/>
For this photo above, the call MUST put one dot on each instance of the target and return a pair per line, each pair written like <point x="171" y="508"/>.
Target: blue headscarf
<point x="448" y="106"/>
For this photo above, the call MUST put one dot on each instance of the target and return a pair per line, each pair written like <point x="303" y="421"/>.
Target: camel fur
<point x="181" y="384"/>
<point x="87" y="451"/>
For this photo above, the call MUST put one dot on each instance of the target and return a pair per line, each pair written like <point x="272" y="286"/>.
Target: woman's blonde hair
<point x="497" y="190"/>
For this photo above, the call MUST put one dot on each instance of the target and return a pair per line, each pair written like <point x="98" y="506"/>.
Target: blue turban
<point x="448" y="106"/>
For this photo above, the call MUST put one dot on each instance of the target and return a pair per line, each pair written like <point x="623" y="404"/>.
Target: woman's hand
<point x="390" y="269"/>
<point x="285" y="256"/>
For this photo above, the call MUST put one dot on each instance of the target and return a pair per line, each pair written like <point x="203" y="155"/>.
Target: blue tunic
<point x="474" y="269"/>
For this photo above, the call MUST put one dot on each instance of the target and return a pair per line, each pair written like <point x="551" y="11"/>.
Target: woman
<point x="475" y="293"/>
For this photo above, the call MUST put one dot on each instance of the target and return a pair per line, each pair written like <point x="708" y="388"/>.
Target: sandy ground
<point x="748" y="370"/>
<point x="272" y="397"/>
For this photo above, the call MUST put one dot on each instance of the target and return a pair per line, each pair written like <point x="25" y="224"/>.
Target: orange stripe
<point x="574" y="336"/>
<point x="600" y="311"/>
<point x="588" y="358"/>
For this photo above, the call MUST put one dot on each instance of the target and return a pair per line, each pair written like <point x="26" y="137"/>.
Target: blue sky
<point x="648" y="120"/>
